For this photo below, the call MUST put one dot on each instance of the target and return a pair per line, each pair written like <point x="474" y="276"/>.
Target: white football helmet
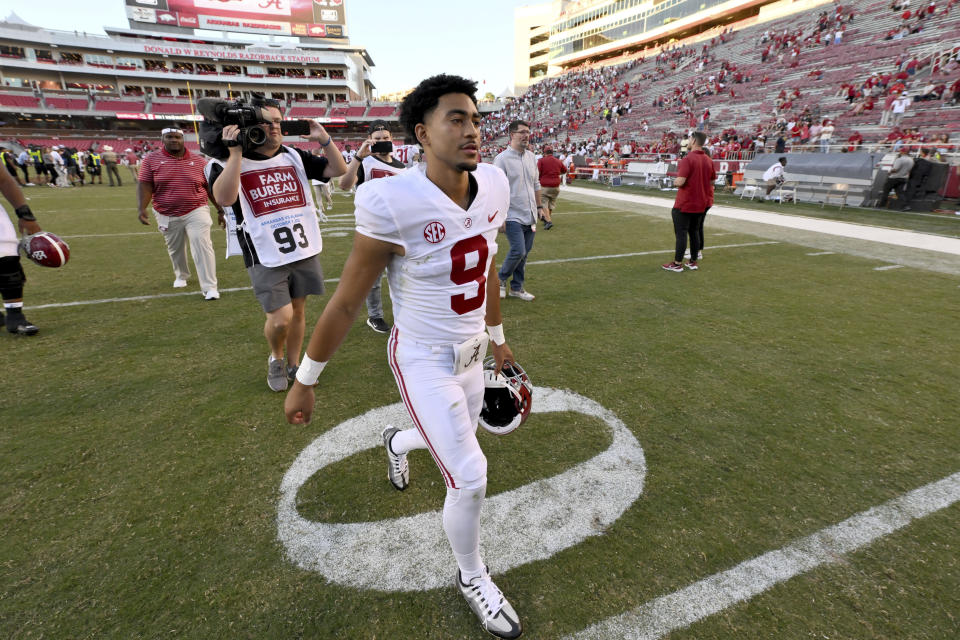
<point x="507" y="397"/>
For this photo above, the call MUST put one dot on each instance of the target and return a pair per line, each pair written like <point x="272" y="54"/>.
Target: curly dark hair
<point x="422" y="100"/>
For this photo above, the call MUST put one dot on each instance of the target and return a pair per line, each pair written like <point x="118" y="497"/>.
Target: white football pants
<point x="445" y="409"/>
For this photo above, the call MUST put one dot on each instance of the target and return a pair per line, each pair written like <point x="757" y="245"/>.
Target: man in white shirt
<point x="773" y="176"/>
<point x="434" y="228"/>
<point x="899" y="108"/>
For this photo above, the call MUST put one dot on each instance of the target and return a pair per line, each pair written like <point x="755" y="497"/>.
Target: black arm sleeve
<point x="314" y="165"/>
<point x="215" y="172"/>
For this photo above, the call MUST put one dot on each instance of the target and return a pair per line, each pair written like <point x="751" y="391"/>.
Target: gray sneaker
<point x="277" y="374"/>
<point x="522" y="294"/>
<point x="496" y="615"/>
<point x="398" y="470"/>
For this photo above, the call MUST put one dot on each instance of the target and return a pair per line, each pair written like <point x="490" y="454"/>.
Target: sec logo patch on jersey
<point x="434" y="232"/>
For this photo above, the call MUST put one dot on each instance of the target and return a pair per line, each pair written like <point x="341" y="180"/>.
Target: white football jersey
<point x="406" y="153"/>
<point x="8" y="235"/>
<point x="439" y="286"/>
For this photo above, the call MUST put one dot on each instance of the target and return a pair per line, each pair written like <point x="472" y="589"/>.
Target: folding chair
<point x="838" y="190"/>
<point x="752" y="187"/>
<point x="788" y="190"/>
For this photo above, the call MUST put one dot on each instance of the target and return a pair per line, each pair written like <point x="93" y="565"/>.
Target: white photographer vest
<point x="278" y="213"/>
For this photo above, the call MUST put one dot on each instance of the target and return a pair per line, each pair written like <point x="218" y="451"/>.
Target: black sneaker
<point x="547" y="226"/>
<point x="292" y="372"/>
<point x="378" y="325"/>
<point x="18" y="324"/>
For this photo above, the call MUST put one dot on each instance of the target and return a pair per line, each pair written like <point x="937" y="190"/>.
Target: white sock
<point x="461" y="522"/>
<point x="13" y="305"/>
<point x="407" y="440"/>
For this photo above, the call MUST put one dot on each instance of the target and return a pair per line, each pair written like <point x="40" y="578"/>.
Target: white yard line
<point x="711" y="595"/>
<point x="819" y="253"/>
<point x="888" y="267"/>
<point x="883" y="235"/>
<point x="557" y="261"/>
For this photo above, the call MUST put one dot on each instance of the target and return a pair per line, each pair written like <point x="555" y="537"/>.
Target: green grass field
<point x="774" y="393"/>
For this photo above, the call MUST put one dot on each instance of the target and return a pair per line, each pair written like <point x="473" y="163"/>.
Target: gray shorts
<point x="275" y="287"/>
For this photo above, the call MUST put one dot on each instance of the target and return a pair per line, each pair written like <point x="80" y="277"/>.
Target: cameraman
<point x="268" y="187"/>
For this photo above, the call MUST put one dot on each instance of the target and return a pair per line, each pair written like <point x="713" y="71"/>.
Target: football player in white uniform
<point x="434" y="228"/>
<point x="12" y="277"/>
<point x="374" y="159"/>
<point x="408" y="154"/>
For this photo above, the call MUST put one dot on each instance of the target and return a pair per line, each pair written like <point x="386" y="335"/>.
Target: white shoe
<point x="179" y="283"/>
<point x="686" y="254"/>
<point x="496" y="615"/>
<point x="213" y="294"/>
<point x="398" y="469"/>
<point x="522" y="294"/>
<point x="503" y="290"/>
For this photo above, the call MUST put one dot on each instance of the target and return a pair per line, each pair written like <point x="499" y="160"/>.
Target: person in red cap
<point x="550" y="169"/>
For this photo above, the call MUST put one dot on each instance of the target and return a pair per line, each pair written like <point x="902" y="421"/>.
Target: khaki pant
<point x="548" y="197"/>
<point x="195" y="228"/>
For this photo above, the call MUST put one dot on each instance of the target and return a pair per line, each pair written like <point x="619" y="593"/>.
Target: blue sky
<point x="408" y="41"/>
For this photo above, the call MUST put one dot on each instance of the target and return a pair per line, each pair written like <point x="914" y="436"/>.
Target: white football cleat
<point x="179" y="283"/>
<point x="398" y="469"/>
<point x="496" y="615"/>
<point x="213" y="294"/>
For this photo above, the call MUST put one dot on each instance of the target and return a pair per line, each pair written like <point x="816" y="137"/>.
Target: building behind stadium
<point x="138" y="78"/>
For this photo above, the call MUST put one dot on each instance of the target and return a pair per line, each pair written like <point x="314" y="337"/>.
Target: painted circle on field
<point x="529" y="523"/>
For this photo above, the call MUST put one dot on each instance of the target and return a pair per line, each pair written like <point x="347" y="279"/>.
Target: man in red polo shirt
<point x="550" y="169"/>
<point x="694" y="182"/>
<point x="173" y="179"/>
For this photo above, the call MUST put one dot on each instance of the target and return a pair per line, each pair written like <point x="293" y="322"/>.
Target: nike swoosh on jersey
<point x="490" y="218"/>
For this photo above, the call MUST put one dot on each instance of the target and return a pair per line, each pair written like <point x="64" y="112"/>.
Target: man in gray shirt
<point x="521" y="168"/>
<point x="897" y="179"/>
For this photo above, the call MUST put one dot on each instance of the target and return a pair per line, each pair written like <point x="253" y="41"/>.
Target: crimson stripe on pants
<point x="398" y="375"/>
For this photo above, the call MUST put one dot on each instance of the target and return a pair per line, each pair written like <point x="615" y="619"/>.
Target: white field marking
<point x="912" y="239"/>
<point x="529" y="523"/>
<point x="907" y="213"/>
<point x="110" y="235"/>
<point x="822" y="253"/>
<point x="888" y="267"/>
<point x="336" y="234"/>
<point x="711" y="595"/>
<point x="326" y="231"/>
<point x="649" y="253"/>
<point x="557" y="261"/>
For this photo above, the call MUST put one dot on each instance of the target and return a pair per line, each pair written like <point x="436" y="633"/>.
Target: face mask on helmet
<point x="507" y="397"/>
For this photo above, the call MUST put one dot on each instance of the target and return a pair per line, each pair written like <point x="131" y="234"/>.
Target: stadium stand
<point x="722" y="71"/>
<point x="136" y="106"/>
<point x="171" y="108"/>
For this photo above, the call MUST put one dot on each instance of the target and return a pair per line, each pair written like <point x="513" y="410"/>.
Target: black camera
<point x="219" y="113"/>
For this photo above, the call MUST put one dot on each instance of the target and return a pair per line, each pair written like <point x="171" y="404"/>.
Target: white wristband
<point x="496" y="334"/>
<point x="309" y="371"/>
